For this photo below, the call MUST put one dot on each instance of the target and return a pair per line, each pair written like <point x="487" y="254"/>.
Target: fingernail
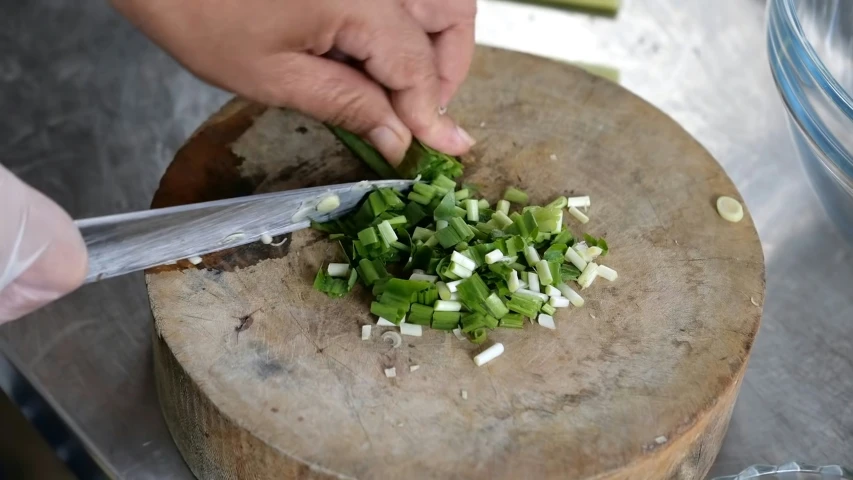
<point x="465" y="136"/>
<point x="385" y="140"/>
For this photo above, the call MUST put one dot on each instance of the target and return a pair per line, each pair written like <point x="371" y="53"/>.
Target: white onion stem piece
<point x="489" y="354"/>
<point x="411" y="329"/>
<point x="329" y="203"/>
<point x="572" y="295"/>
<point x="573" y="211"/>
<point x="533" y="282"/>
<point x="578" y="202"/>
<point x="494" y="256"/>
<point x="546" y="321"/>
<point x="447" y="306"/>
<point x="575" y="258"/>
<point x="338" y="269"/>
<point x="463" y="261"/>
<point x="552" y="291"/>
<point x="607" y="273"/>
<point x="365" y="332"/>
<point x="559" y="302"/>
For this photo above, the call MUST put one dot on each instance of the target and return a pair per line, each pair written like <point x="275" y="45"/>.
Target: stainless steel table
<point x="91" y="113"/>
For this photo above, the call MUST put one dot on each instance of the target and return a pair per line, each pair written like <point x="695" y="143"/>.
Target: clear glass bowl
<point x="792" y="471"/>
<point x="810" y="45"/>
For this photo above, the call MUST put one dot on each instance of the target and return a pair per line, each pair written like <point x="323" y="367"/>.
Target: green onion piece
<point x="483" y="204"/>
<point x="485" y="228"/>
<point x="448" y="237"/>
<point x="564" y="237"/>
<point x="472" y="210"/>
<point x="548" y="309"/>
<point x="495" y="307"/>
<point x="478" y="336"/>
<point x="445" y="320"/>
<point x="420" y="314"/>
<point x="443" y="292"/>
<point x="503" y="207"/>
<point x="414" y="213"/>
<point x="473" y="293"/>
<point x="555" y="253"/>
<point x="524" y="304"/>
<point x="401" y="246"/>
<point x="559" y="202"/>
<point x="424" y="189"/>
<point x="596" y="242"/>
<point x="443" y="182"/>
<point x="544" y="272"/>
<point x="548" y="219"/>
<point x="422" y="234"/>
<point x="515" y="195"/>
<point x="569" y="272"/>
<point x="418" y="198"/>
<point x="501" y="220"/>
<point x="446" y="208"/>
<point x="387" y="232"/>
<point x="398" y="220"/>
<point x="368" y="236"/>
<point x="462" y="194"/>
<point x="512" y="320"/>
<point x="392" y="313"/>
<point x="472" y="321"/>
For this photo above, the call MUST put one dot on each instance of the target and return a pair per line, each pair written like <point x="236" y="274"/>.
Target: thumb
<point x="42" y="255"/>
<point x="337" y="94"/>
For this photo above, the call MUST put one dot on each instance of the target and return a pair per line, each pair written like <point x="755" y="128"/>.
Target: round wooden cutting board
<point x="260" y="376"/>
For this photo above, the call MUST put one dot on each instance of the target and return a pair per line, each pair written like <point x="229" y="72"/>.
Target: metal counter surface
<point x="91" y="113"/>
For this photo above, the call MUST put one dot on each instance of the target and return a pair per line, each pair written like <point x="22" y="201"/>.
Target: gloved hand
<point x="414" y="54"/>
<point x="42" y="255"/>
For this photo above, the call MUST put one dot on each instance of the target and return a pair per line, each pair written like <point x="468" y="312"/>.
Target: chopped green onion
<point x="410" y="329"/>
<point x="445" y="320"/>
<point x="572" y="295"/>
<point x="574" y="257"/>
<point x="443" y="292"/>
<point x="460" y="271"/>
<point x="533" y="282"/>
<point x="573" y="211"/>
<point x="489" y="354"/>
<point x="495" y="306"/>
<point x="503" y="207"/>
<point x="578" y="202"/>
<point x="531" y="255"/>
<point x="422" y="277"/>
<point x="524" y="305"/>
<point x="513" y="283"/>
<point x="329" y="203"/>
<point x="546" y="321"/>
<point x="424" y="189"/>
<point x="472" y="210"/>
<point x="501" y="220"/>
<point x="543" y="269"/>
<point x="444" y="182"/>
<point x="607" y="273"/>
<point x="368" y="236"/>
<point x="559" y="202"/>
<point x="463" y="261"/>
<point x="365" y="332"/>
<point x="447" y="306"/>
<point x="461" y="194"/>
<point x="512" y="320"/>
<point x="453" y="286"/>
<point x="559" y="302"/>
<point x="530" y="293"/>
<point x="418" y="198"/>
<point x="338" y="269"/>
<point x="552" y="291"/>
<point x="422" y="234"/>
<point x="548" y="309"/>
<point x="493" y="256"/>
<point x="483" y="204"/>
<point x="588" y="275"/>
<point x="515" y="195"/>
<point x="420" y="314"/>
<point x="387" y="232"/>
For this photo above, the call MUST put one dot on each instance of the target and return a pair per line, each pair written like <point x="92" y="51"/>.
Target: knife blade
<point x="129" y="242"/>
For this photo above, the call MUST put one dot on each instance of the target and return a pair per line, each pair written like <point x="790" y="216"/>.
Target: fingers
<point x="452" y="24"/>
<point x="397" y="53"/>
<point x="335" y="93"/>
<point x="42" y="255"/>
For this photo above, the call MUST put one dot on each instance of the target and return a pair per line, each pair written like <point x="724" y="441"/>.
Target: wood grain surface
<point x="638" y="384"/>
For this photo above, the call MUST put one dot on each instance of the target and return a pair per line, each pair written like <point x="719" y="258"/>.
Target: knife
<point x="128" y="242"/>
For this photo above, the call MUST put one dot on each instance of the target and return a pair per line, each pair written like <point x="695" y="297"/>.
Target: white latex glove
<point x="42" y="255"/>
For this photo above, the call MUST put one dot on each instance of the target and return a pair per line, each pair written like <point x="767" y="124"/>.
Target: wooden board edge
<point x="203" y="434"/>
